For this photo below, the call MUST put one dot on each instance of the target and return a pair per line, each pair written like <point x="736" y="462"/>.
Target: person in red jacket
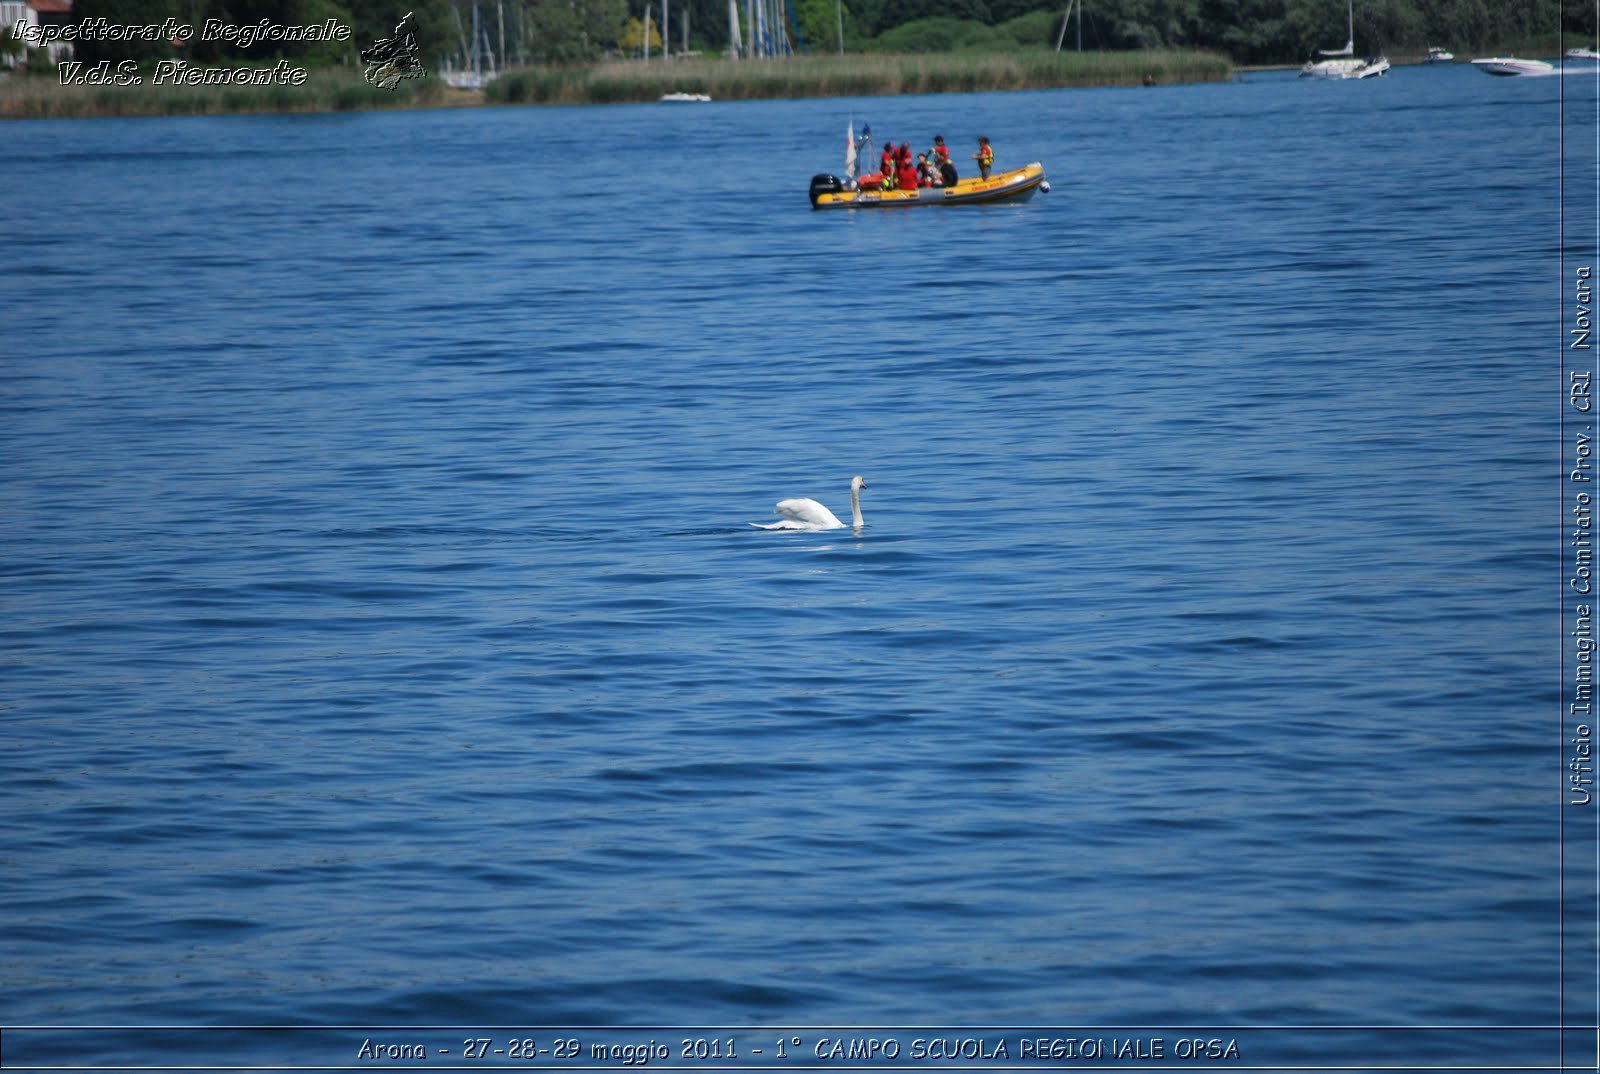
<point x="984" y="156"/>
<point x="940" y="153"/>
<point x="908" y="172"/>
<point x="886" y="167"/>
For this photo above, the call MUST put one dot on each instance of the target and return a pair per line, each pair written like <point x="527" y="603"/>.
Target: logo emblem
<point x="391" y="60"/>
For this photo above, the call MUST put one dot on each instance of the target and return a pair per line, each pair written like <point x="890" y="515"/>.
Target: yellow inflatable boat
<point x="828" y="192"/>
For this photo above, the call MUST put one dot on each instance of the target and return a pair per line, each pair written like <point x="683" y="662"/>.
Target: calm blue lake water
<point x="385" y="641"/>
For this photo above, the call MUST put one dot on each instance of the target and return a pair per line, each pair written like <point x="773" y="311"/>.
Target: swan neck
<point x="855" y="507"/>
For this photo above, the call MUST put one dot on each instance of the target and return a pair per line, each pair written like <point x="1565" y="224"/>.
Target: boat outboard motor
<point x="824" y="184"/>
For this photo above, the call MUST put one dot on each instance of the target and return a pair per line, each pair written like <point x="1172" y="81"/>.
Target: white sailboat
<point x="1343" y="63"/>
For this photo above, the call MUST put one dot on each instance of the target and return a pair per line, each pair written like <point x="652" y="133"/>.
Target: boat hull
<point x="1513" y="67"/>
<point x="1016" y="185"/>
<point x="1346" y="68"/>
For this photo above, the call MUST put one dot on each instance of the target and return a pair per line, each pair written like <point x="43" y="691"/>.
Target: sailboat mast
<point x="477" y="65"/>
<point x="462" y="32"/>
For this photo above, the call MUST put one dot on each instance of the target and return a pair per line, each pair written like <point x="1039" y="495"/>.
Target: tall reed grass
<point x="328" y="90"/>
<point x="855" y="75"/>
<point x="863" y="75"/>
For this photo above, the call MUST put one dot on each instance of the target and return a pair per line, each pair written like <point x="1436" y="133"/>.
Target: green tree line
<point x="575" y="31"/>
<point x="558" y="31"/>
<point x="1248" y="31"/>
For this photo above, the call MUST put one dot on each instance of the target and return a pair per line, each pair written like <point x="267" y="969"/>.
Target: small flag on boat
<point x="850" y="150"/>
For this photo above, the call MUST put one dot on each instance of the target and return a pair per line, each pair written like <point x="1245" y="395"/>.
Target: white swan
<point x="804" y="514"/>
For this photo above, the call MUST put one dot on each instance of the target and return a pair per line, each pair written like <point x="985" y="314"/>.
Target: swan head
<point x="857" y="482"/>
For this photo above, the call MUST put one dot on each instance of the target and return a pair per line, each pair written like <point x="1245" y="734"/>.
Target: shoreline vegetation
<point x="630" y="81"/>
<point x="335" y="89"/>
<point x="324" y="90"/>
<point x="862" y="75"/>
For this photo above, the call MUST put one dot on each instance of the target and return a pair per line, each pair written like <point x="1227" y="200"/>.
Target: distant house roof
<point x="51" y="7"/>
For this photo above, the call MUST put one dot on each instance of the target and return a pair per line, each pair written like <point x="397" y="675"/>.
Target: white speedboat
<point x="1439" y="55"/>
<point x="1512" y="67"/>
<point x="1343" y="63"/>
<point x="680" y="98"/>
<point x="1582" y="54"/>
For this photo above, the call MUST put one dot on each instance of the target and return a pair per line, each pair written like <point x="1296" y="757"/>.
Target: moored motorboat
<point x="1439" y="55"/>
<point x="1513" y="67"/>
<point x="830" y="192"/>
